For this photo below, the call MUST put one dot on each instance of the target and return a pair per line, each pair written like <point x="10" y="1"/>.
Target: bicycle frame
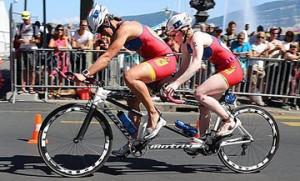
<point x="99" y="99"/>
<point x="102" y="95"/>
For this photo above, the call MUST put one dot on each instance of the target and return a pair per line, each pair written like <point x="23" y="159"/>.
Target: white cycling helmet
<point x="178" y="21"/>
<point x="96" y="17"/>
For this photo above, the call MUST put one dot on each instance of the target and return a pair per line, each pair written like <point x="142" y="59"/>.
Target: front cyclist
<point x="228" y="70"/>
<point x="160" y="62"/>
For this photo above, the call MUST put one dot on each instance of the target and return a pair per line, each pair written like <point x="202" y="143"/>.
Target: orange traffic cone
<point x="37" y="125"/>
<point x="197" y="126"/>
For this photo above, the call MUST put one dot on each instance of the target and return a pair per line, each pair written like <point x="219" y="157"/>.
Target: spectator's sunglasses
<point x="260" y="37"/>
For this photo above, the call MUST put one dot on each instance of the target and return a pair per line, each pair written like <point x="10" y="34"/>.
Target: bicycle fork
<point x="85" y="125"/>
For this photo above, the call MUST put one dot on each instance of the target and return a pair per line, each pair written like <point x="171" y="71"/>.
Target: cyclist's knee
<point x="200" y="95"/>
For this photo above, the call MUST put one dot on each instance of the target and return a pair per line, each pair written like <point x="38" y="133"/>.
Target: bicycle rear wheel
<point x="255" y="154"/>
<point x="71" y="158"/>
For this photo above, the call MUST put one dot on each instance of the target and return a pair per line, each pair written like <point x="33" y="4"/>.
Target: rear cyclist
<point x="228" y="70"/>
<point x="160" y="62"/>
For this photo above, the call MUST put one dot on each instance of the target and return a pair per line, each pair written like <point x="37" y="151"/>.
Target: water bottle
<point x="230" y="98"/>
<point x="127" y="123"/>
<point x="187" y="129"/>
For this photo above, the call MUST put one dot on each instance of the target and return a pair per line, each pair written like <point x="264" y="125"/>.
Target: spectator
<point x="203" y="27"/>
<point x="69" y="32"/>
<point x="28" y="36"/>
<point x="102" y="43"/>
<point x="163" y="35"/>
<point x="276" y="46"/>
<point x="247" y="28"/>
<point x="252" y="38"/>
<point x="246" y="32"/>
<point x="49" y="33"/>
<point x="230" y="35"/>
<point x="272" y="67"/>
<point x="242" y="50"/>
<point x="211" y="28"/>
<point x="293" y="56"/>
<point x="38" y="25"/>
<point x="288" y="39"/>
<point x="218" y="33"/>
<point x="256" y="68"/>
<point x="61" y="60"/>
<point x="82" y="40"/>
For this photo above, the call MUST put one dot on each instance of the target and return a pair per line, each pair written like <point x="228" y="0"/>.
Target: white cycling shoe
<point x="122" y="151"/>
<point x="151" y="133"/>
<point x="228" y="127"/>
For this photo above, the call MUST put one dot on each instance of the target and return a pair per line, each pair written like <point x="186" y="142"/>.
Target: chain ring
<point x="137" y="149"/>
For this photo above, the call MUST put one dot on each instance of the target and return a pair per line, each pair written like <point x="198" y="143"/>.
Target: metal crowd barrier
<point x="276" y="78"/>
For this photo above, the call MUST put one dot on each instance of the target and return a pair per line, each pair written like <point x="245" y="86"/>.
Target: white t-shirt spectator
<point x="83" y="39"/>
<point x="258" y="48"/>
<point x="27" y="32"/>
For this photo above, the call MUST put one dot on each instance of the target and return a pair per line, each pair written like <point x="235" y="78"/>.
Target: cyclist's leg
<point x="134" y="103"/>
<point x="205" y="116"/>
<point x="215" y="85"/>
<point x="147" y="72"/>
<point x="135" y="79"/>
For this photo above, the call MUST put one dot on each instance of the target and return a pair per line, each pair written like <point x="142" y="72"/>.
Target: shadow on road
<point x="145" y="165"/>
<point x="34" y="166"/>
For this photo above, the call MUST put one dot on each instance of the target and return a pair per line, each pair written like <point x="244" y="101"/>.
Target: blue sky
<point x="67" y="11"/>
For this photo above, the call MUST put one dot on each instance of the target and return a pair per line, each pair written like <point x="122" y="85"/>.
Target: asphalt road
<point x="21" y="161"/>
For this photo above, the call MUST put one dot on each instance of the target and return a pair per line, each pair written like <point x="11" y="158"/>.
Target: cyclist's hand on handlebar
<point x="78" y="77"/>
<point x="171" y="87"/>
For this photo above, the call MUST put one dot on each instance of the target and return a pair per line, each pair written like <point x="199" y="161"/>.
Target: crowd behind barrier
<point x="278" y="79"/>
<point x="74" y="50"/>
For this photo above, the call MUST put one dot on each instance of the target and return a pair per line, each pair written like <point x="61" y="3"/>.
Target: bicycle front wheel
<point x="67" y="156"/>
<point x="252" y="147"/>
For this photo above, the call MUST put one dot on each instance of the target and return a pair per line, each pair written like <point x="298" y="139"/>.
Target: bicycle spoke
<point x="68" y="156"/>
<point x="253" y="156"/>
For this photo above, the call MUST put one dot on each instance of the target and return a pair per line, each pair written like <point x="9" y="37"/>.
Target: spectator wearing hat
<point x="28" y="35"/>
<point x="218" y="33"/>
<point x="211" y="28"/>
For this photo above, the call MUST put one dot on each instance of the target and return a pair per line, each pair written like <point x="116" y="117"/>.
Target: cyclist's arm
<point x="196" y="63"/>
<point x="112" y="51"/>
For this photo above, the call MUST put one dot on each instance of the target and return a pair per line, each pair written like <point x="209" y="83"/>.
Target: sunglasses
<point x="262" y="37"/>
<point x="241" y="38"/>
<point x="60" y="29"/>
<point x="84" y="25"/>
